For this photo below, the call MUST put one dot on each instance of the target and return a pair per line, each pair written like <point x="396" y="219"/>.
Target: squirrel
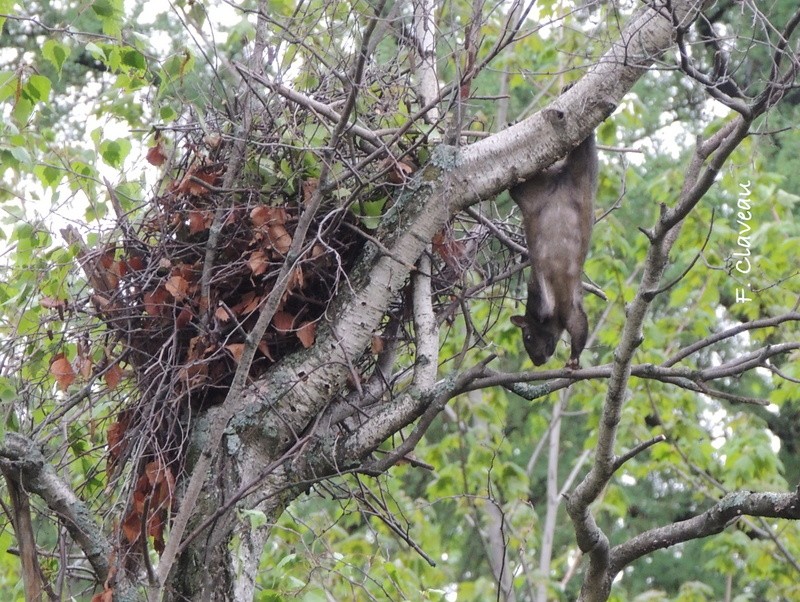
<point x="557" y="206"/>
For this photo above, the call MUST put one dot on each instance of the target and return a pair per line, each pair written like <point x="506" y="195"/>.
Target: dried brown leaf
<point x="307" y="333"/>
<point x="50" y="303"/>
<point x="400" y="172"/>
<point x="296" y="280"/>
<point x="194" y="376"/>
<point x="199" y="221"/>
<point x="155" y="472"/>
<point x="283" y="321"/>
<point x="248" y="304"/>
<point x="164" y="490"/>
<point x="156" y="155"/>
<point x="135" y="263"/>
<point x="132" y="526"/>
<point x="177" y="287"/>
<point x="452" y="251"/>
<point x="62" y="371"/>
<point x="258" y="262"/>
<point x="198" y="179"/>
<point x="119" y="268"/>
<point x="115" y="436"/>
<point x="263" y="215"/>
<point x="107" y="259"/>
<point x="252" y="305"/>
<point x="260" y="215"/>
<point x="279" y="215"/>
<point x="279" y="238"/>
<point x="184" y="318"/>
<point x="155" y="527"/>
<point x="196" y="348"/>
<point x="151" y="471"/>
<point x="155" y="302"/>
<point x="113" y="376"/>
<point x="236" y="350"/>
<point x="101" y="303"/>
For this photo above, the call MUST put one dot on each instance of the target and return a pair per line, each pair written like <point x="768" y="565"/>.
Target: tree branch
<point x="23" y="461"/>
<point x="710" y="522"/>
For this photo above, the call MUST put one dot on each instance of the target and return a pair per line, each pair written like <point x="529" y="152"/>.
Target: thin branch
<point x="637" y="450"/>
<point x="689" y="267"/>
<point x="728" y="333"/>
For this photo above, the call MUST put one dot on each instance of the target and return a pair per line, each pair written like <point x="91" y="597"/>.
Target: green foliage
<point x="78" y="108"/>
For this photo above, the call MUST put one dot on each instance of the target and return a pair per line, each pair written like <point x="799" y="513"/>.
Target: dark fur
<point x="557" y="207"/>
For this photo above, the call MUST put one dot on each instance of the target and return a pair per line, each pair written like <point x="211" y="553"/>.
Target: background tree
<point x="216" y="367"/>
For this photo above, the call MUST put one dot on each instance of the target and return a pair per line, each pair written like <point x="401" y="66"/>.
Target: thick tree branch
<point x="531" y="145"/>
<point x="20" y="514"/>
<point x="400" y="413"/>
<point x="426" y="328"/>
<point x="710" y="522"/>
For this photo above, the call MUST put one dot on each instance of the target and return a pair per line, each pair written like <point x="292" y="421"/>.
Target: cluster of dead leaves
<point x="162" y="297"/>
<point x="181" y="323"/>
<point x="241" y="286"/>
<point x="157" y="298"/>
<point x="153" y="497"/>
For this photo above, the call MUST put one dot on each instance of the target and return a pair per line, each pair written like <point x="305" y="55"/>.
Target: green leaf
<point x="114" y="59"/>
<point x="56" y="52"/>
<point x="178" y="65"/>
<point x="115" y="151"/>
<point x="22" y="111"/>
<point x="7" y="390"/>
<point x="9" y="83"/>
<point x="49" y="176"/>
<point x="96" y="51"/>
<point x="197" y="14"/>
<point x="6" y="7"/>
<point x="133" y="59"/>
<point x="38" y="88"/>
<point x="22" y="155"/>
<point x="285" y="560"/>
<point x="168" y="113"/>
<point x="103" y="8"/>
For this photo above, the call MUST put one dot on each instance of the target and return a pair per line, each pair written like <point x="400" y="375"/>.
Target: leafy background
<point x="83" y="84"/>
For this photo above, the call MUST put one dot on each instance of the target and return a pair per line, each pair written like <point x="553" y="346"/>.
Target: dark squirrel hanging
<point x="557" y="206"/>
